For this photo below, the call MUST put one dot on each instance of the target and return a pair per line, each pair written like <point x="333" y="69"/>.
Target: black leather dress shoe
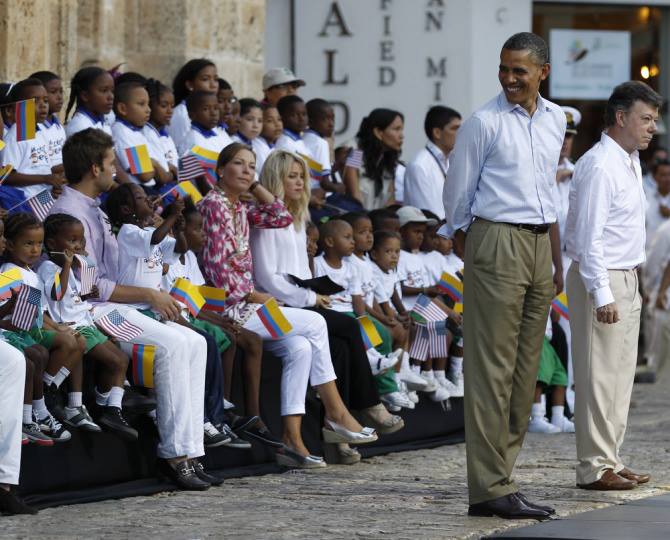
<point x="507" y="507"/>
<point x="525" y="501"/>
<point x="183" y="474"/>
<point x="204" y="475"/>
<point x="11" y="504"/>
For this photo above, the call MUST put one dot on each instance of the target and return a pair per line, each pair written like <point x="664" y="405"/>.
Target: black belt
<point x="535" y="229"/>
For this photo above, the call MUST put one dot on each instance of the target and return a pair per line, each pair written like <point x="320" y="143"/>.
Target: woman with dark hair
<point x="380" y="140"/>
<point x="196" y="74"/>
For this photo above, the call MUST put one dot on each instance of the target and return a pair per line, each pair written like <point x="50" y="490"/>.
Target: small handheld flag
<point x="11" y="279"/>
<point x="560" y="305"/>
<point x="451" y="286"/>
<point x="24" y="117"/>
<point x="187" y="189"/>
<point x="354" y="159"/>
<point x="86" y="275"/>
<point x="142" y="359"/>
<point x="437" y="339"/>
<point x="189" y="168"/>
<point x="41" y="203"/>
<point x="138" y="159"/>
<point x="208" y="158"/>
<point x="57" y="290"/>
<point x="28" y="303"/>
<point x="371" y="337"/>
<point x="2" y="144"/>
<point x="4" y="171"/>
<point x="188" y="294"/>
<point x="425" y="310"/>
<point x="420" y="345"/>
<point x="215" y="299"/>
<point x="273" y="319"/>
<point x="315" y="168"/>
<point x="116" y="325"/>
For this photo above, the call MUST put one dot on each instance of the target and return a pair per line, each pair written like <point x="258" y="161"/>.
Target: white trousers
<point x="179" y="381"/>
<point x="304" y="352"/>
<point x="12" y="383"/>
<point x="605" y="357"/>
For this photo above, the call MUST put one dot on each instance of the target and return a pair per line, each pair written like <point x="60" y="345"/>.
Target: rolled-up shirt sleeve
<point x="465" y="166"/>
<point x="593" y="199"/>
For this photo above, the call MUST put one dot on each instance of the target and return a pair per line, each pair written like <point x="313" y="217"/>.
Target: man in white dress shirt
<point x="605" y="239"/>
<point x="426" y="173"/>
<point x="500" y="192"/>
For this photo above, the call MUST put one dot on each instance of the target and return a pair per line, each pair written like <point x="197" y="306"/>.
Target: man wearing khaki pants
<point x="499" y="190"/>
<point x="605" y="238"/>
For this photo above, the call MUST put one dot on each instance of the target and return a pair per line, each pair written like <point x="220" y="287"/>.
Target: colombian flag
<point x="2" y="144"/>
<point x="26" y="124"/>
<point x="186" y="293"/>
<point x="11" y="279"/>
<point x="451" y="286"/>
<point x="58" y="290"/>
<point x="208" y="158"/>
<point x="560" y="305"/>
<point x="187" y="189"/>
<point x="315" y="169"/>
<point x="142" y="359"/>
<point x="139" y="160"/>
<point x="215" y="299"/>
<point x="273" y="319"/>
<point x="371" y="337"/>
<point x="4" y="171"/>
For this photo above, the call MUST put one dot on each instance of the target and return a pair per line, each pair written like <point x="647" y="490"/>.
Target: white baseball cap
<point x="410" y="214"/>
<point x="280" y="75"/>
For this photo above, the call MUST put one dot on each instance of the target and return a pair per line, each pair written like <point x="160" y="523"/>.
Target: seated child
<point x="251" y="125"/>
<point x="225" y="95"/>
<point x="32" y="162"/>
<point x="233" y="121"/>
<point x="25" y="236"/>
<point x="203" y="110"/>
<point x="55" y="131"/>
<point x="321" y="118"/>
<point x="338" y="244"/>
<point x="272" y="129"/>
<point x="64" y="242"/>
<point x="162" y="149"/>
<point x="294" y="119"/>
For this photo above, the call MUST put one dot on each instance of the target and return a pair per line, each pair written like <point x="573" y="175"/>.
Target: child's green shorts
<point x="552" y="372"/>
<point x="92" y="336"/>
<point x="222" y="341"/>
<point x="24" y="339"/>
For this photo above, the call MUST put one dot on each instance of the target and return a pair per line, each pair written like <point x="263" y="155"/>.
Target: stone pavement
<point x="412" y="495"/>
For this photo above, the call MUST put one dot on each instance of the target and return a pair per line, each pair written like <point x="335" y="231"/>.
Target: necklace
<point x="240" y="241"/>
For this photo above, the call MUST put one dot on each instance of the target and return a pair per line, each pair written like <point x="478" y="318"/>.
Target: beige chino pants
<point x="605" y="356"/>
<point x="508" y="289"/>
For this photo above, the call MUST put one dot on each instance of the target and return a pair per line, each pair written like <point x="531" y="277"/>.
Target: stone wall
<point x="154" y="37"/>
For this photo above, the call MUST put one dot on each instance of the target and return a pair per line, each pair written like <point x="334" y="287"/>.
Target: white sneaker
<point x="78" y="417"/>
<point x="539" y="424"/>
<point x="413" y="396"/>
<point x="413" y="381"/>
<point x="397" y="399"/>
<point x="457" y="379"/>
<point x="402" y="389"/>
<point x="562" y="423"/>
<point x="431" y="382"/>
<point x="440" y="394"/>
<point x="380" y="363"/>
<point x="448" y="386"/>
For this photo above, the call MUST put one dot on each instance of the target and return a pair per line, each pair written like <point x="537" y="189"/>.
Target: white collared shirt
<point x="605" y="226"/>
<point x="424" y="180"/>
<point x="503" y="166"/>
<point x="29" y="157"/>
<point x="82" y="119"/>
<point x="180" y="125"/>
<point x="210" y="140"/>
<point x="127" y="136"/>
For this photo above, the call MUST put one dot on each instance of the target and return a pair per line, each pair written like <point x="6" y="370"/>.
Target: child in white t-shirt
<point x="162" y="149"/>
<point x="203" y="109"/>
<point x="251" y="125"/>
<point x="55" y="131"/>
<point x="321" y="117"/>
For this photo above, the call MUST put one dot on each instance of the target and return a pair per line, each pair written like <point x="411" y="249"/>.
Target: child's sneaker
<point x="449" y="387"/>
<point x="380" y="363"/>
<point x="456" y="377"/>
<point x="440" y="394"/>
<point x="395" y="401"/>
<point x="431" y="383"/>
<point x="402" y="388"/>
<point x="235" y="441"/>
<point x="53" y="429"/>
<point x="112" y="419"/>
<point x="562" y="423"/>
<point x="413" y="396"/>
<point x="32" y="433"/>
<point x="539" y="424"/>
<point x="78" y="418"/>
<point x="213" y="437"/>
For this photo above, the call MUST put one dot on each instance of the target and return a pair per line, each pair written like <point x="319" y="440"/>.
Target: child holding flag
<point x="64" y="278"/>
<point x="55" y="131"/>
<point x="203" y="110"/>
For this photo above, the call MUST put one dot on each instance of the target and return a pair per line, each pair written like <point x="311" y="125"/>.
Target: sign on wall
<point x="587" y="64"/>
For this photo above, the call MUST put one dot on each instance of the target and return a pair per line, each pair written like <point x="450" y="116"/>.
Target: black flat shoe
<point x="263" y="435"/>
<point x="525" y="501"/>
<point x="507" y="507"/>
<point x="112" y="419"/>
<point x="240" y="423"/>
<point x="11" y="504"/>
<point x="183" y="474"/>
<point x="204" y="475"/>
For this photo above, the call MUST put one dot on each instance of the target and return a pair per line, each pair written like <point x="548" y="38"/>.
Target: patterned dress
<point x="226" y="258"/>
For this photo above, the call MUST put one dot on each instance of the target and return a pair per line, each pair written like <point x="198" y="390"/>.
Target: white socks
<point x="74" y="400"/>
<point x="456" y="364"/>
<point x="101" y="398"/>
<point x="557" y="414"/>
<point x="40" y="409"/>
<point x="28" y="413"/>
<point x="440" y="375"/>
<point x="115" y="397"/>
<point x="56" y="379"/>
<point x="537" y="410"/>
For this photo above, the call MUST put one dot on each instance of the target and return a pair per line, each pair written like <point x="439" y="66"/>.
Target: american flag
<point x="427" y="309"/>
<point x="41" y="203"/>
<point x="419" y="348"/>
<point x="189" y="168"/>
<point x="86" y="274"/>
<point x="28" y="303"/>
<point x="354" y="159"/>
<point x="437" y="337"/>
<point x="117" y="326"/>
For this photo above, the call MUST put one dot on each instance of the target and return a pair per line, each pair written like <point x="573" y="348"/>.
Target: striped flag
<point x="215" y="299"/>
<point x="273" y="319"/>
<point x="116" y="325"/>
<point x="2" y="144"/>
<point x="142" y="360"/>
<point x="86" y="274"/>
<point x="189" y="168"/>
<point x="4" y="171"/>
<point x="425" y="310"/>
<point x="188" y="294"/>
<point x="354" y="159"/>
<point x="371" y="337"/>
<point x="58" y="289"/>
<point x="28" y="304"/>
<point x="41" y="203"/>
<point x="187" y="189"/>
<point x="560" y="305"/>
<point x="420" y="345"/>
<point x="24" y="117"/>
<point x="139" y="161"/>
<point x="315" y="168"/>
<point x="451" y="286"/>
<point x="207" y="158"/>
<point x="10" y="279"/>
<point x="437" y="338"/>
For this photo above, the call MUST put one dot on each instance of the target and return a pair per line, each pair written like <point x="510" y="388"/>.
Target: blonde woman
<point x="283" y="251"/>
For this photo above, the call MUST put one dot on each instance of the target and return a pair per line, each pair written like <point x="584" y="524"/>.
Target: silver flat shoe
<point x="335" y="433"/>
<point x="288" y="457"/>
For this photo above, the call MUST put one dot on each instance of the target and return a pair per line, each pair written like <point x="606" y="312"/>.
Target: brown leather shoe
<point x="640" y="478"/>
<point x="609" y="481"/>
